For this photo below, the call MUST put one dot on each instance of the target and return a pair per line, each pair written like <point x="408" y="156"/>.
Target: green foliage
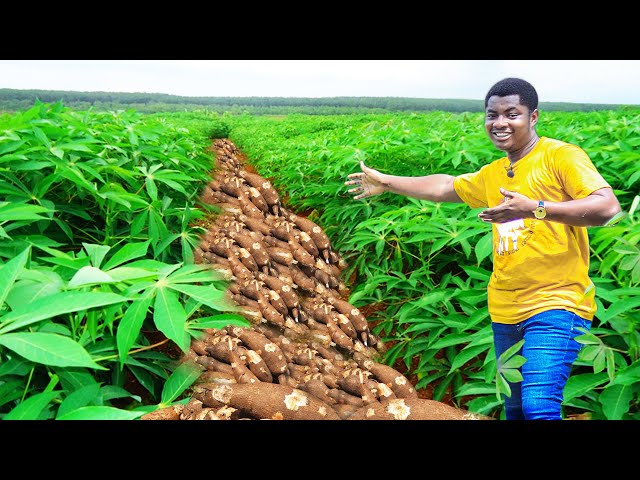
<point x="98" y="220"/>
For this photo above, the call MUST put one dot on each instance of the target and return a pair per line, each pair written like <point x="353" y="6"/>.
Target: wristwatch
<point x="540" y="212"/>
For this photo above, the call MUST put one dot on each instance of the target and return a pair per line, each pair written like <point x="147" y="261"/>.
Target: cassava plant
<point x="99" y="215"/>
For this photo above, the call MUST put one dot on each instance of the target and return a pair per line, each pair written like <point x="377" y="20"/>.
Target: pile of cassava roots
<point x="309" y="354"/>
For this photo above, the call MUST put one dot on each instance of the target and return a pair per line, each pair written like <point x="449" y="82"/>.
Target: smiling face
<point x="510" y="125"/>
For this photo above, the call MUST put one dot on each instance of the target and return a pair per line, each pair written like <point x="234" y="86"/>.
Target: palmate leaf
<point x="49" y="349"/>
<point x="508" y="368"/>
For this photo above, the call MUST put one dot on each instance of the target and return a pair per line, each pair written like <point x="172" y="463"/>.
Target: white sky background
<point x="579" y="81"/>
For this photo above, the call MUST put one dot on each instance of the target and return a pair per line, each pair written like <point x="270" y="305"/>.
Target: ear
<point x="534" y="118"/>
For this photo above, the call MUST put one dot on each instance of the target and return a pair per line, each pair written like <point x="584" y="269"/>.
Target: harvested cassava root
<point x="309" y="353"/>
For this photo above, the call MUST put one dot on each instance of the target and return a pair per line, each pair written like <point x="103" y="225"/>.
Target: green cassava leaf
<point x="130" y="325"/>
<point x="9" y="273"/>
<point x="181" y="379"/>
<point x="54" y="305"/>
<point x="578" y="385"/>
<point x="170" y="317"/>
<point x="32" y="407"/>
<point x="127" y="253"/>
<point x="616" y="400"/>
<point x="89" y="276"/>
<point x="100" y="413"/>
<point x="49" y="349"/>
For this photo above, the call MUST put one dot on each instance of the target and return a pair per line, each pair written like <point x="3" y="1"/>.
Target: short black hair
<point x="514" y="86"/>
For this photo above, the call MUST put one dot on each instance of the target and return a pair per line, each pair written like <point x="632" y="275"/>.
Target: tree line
<point x="12" y="100"/>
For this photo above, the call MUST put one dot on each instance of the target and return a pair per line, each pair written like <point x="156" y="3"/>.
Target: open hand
<point x="367" y="183"/>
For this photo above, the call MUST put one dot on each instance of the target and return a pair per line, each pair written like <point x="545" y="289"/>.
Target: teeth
<point x="501" y="135"/>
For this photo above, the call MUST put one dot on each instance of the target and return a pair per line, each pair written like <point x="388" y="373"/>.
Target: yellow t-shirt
<point x="537" y="264"/>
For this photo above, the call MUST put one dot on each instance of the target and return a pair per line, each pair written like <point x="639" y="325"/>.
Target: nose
<point x="500" y="121"/>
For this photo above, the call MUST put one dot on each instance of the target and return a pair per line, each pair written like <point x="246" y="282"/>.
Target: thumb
<point x="506" y="193"/>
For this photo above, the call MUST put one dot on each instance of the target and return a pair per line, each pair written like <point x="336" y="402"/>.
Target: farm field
<point x="101" y="213"/>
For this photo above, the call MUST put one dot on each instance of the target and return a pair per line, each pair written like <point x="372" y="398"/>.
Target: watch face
<point x="540" y="212"/>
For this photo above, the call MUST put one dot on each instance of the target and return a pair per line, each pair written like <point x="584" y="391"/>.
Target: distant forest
<point x="12" y="100"/>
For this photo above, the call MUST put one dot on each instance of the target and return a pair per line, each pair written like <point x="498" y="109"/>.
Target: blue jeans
<point x="550" y="350"/>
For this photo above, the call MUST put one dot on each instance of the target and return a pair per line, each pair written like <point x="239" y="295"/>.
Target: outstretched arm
<point x="436" y="188"/>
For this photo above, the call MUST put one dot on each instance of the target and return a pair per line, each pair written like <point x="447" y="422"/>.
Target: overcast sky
<point x="581" y="81"/>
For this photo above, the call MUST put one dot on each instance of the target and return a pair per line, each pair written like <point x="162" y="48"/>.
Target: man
<point x="539" y="198"/>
